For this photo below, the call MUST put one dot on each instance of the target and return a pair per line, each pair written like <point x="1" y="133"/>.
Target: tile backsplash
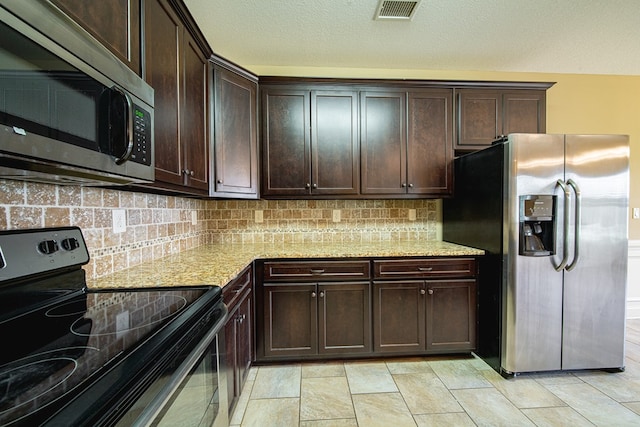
<point x="158" y="225"/>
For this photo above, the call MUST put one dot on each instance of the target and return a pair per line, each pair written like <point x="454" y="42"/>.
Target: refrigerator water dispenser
<point x="537" y="225"/>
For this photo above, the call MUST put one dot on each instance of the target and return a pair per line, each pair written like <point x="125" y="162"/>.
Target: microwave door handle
<point x="577" y="217"/>
<point x="123" y="157"/>
<point x="565" y="225"/>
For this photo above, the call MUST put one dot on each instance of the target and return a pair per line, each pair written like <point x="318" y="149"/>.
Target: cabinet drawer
<point x="232" y="292"/>
<point x="316" y="270"/>
<point x="431" y="267"/>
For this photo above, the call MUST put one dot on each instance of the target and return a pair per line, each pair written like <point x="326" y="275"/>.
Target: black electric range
<point x="72" y="356"/>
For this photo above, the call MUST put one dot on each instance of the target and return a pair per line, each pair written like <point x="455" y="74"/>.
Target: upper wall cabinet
<point x="114" y="23"/>
<point x="406" y="140"/>
<point x="177" y="67"/>
<point x="309" y="142"/>
<point x="235" y="141"/>
<point x="485" y="115"/>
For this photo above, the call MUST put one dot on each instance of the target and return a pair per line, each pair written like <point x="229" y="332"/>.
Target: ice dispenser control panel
<point x="537" y="225"/>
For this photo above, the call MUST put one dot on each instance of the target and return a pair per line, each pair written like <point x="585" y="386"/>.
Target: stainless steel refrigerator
<point x="551" y="212"/>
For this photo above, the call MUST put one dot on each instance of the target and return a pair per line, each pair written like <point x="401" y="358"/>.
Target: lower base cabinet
<point x="302" y="319"/>
<point x="238" y="296"/>
<point x="365" y="308"/>
<point x="424" y="316"/>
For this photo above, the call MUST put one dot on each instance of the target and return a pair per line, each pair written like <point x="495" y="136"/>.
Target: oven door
<point x="192" y="392"/>
<point x="196" y="393"/>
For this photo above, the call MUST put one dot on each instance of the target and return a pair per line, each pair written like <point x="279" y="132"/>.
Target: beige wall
<point x="575" y="104"/>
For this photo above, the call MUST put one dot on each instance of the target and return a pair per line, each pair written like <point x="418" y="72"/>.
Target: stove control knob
<point x="70" y="243"/>
<point x="48" y="246"/>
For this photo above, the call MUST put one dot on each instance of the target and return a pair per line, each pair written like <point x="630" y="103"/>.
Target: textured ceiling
<point x="554" y="36"/>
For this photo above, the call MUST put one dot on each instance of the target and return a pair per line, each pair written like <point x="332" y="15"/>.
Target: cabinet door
<point x="430" y="142"/>
<point x="231" y="357"/>
<point x="114" y="23"/>
<point x="285" y="138"/>
<point x="334" y="142"/>
<point x="194" y="134"/>
<point x="383" y="142"/>
<point x="244" y="349"/>
<point x="479" y="118"/>
<point x="344" y="317"/>
<point x="237" y="295"/>
<point x="235" y="139"/>
<point x="163" y="47"/>
<point x="524" y="111"/>
<point x="398" y="316"/>
<point x="290" y="320"/>
<point x="451" y="315"/>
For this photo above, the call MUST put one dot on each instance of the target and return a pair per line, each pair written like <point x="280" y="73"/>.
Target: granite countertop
<point x="218" y="264"/>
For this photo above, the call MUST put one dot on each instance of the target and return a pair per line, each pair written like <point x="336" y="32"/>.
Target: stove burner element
<point x="28" y="382"/>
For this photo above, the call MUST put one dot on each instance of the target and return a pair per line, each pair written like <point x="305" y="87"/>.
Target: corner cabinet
<point x="238" y="296"/>
<point x="176" y="66"/>
<point x="235" y="134"/>
<point x="310" y="142"/>
<point x="406" y="140"/>
<point x="485" y="115"/>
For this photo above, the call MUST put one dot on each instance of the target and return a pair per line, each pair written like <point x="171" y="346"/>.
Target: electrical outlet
<point x="258" y="216"/>
<point x="636" y="213"/>
<point x="194" y="218"/>
<point x="412" y="214"/>
<point x="119" y="218"/>
<point x="336" y="215"/>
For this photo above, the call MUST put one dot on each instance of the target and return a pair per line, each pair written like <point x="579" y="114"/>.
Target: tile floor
<point x="438" y="391"/>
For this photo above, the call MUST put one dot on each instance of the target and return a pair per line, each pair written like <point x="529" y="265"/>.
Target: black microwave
<point x="70" y="111"/>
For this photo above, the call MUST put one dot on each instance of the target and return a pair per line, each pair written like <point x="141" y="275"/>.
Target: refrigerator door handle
<point x="577" y="215"/>
<point x="565" y="227"/>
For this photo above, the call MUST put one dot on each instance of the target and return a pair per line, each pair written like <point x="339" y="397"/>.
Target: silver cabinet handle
<point x="321" y="294"/>
<point x="316" y="272"/>
<point x="430" y="291"/>
<point x="313" y="294"/>
<point x="425" y="268"/>
<point x="307" y="185"/>
<point x="578" y="219"/>
<point x="565" y="226"/>
<point x="422" y="292"/>
<point x="410" y="185"/>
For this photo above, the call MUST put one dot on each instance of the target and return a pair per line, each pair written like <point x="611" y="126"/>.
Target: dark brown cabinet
<point x="434" y="315"/>
<point x="235" y="141"/>
<point x="114" y="23"/>
<point x="487" y="114"/>
<point x="399" y="316"/>
<point x="309" y="310"/>
<point x="451" y="315"/>
<point x="310" y="142"/>
<point x="384" y="142"/>
<point x="176" y="66"/>
<point x="238" y="333"/>
<point x="406" y="140"/>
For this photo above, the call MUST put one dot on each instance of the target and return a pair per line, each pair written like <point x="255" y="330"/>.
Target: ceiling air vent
<point x="395" y="9"/>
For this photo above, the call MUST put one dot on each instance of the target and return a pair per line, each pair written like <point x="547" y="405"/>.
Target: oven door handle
<point x="164" y="395"/>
